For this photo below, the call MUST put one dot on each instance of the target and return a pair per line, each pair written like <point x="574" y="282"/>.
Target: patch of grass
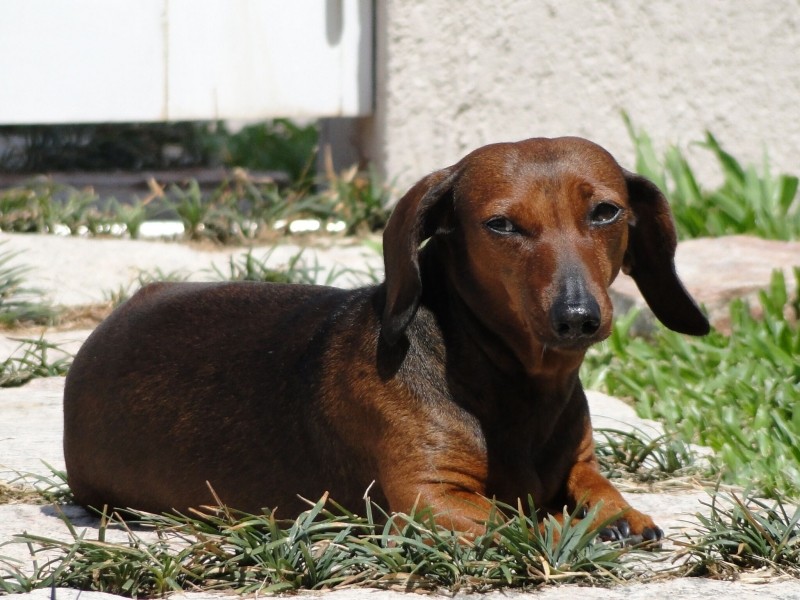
<point x="18" y="302"/>
<point x="276" y="145"/>
<point x="745" y="534"/>
<point x="638" y="457"/>
<point x="220" y="549"/>
<point x="240" y="209"/>
<point x="191" y="208"/>
<point x="31" y="488"/>
<point x="359" y="198"/>
<point x="737" y="394"/>
<point x="325" y="547"/>
<point x="44" y="207"/>
<point x="247" y="267"/>
<point x="131" y="216"/>
<point x="751" y="200"/>
<point x="124" y="292"/>
<point x="27" y="209"/>
<point x="53" y="487"/>
<point x="73" y="212"/>
<point x="244" y="209"/>
<point x="31" y="361"/>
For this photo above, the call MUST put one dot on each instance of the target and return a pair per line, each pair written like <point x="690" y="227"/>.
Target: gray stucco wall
<point x="452" y="75"/>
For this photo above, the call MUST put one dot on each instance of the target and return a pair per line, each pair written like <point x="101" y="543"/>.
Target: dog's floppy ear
<point x="649" y="259"/>
<point x="413" y="220"/>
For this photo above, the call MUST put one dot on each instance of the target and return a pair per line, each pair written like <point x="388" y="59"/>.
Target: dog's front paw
<point x="621" y="530"/>
<point x="633" y="527"/>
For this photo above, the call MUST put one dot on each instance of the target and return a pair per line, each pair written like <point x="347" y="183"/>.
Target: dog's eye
<point x="605" y="213"/>
<point x="501" y="225"/>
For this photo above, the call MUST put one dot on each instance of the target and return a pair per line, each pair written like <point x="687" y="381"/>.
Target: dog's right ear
<point x="414" y="219"/>
<point x="650" y="259"/>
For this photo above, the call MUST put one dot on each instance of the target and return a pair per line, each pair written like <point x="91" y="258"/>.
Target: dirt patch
<point x="69" y="318"/>
<point x="18" y="494"/>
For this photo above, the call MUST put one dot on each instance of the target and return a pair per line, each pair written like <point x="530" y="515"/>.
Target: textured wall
<point x="454" y="75"/>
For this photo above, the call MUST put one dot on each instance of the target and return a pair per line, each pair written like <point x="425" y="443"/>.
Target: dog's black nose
<point x="575" y="321"/>
<point x="575" y="314"/>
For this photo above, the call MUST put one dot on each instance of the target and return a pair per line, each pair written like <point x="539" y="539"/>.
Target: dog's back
<point x="169" y="395"/>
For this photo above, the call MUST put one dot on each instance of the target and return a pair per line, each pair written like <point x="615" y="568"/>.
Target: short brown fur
<point x="453" y="382"/>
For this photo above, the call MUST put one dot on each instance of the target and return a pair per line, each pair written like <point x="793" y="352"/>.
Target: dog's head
<point x="531" y="235"/>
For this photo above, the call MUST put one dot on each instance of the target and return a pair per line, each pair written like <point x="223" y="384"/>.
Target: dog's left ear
<point x="649" y="259"/>
<point x="414" y="219"/>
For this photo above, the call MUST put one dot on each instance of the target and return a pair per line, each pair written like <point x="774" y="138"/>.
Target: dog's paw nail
<point x="609" y="534"/>
<point x="623" y="527"/>
<point x="652" y="534"/>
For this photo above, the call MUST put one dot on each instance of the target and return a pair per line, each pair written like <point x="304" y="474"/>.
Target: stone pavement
<point x="74" y="271"/>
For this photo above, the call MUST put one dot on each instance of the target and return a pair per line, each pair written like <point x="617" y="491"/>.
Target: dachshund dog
<point x="452" y="383"/>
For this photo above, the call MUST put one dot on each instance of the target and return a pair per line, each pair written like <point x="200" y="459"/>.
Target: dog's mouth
<point x="571" y="346"/>
<point x="574" y="343"/>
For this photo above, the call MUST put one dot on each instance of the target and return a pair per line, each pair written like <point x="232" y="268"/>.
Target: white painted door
<point x="73" y="61"/>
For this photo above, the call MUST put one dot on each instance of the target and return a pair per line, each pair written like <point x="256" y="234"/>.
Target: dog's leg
<point x="587" y="486"/>
<point x="454" y="498"/>
<point x="465" y="513"/>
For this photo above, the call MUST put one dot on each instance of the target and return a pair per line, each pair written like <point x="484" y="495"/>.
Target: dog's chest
<point x="530" y="442"/>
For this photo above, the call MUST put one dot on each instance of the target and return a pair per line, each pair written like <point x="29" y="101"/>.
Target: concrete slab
<point x="75" y="271"/>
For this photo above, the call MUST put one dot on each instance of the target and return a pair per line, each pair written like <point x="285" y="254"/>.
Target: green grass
<point x="252" y="267"/>
<point x="243" y="209"/>
<point x="124" y="292"/>
<point x="248" y="267"/>
<point x="737" y="534"/>
<point x="635" y="456"/>
<point x="276" y="145"/>
<point x="325" y="547"/>
<point x="27" y="209"/>
<point x="239" y="210"/>
<point x="20" y="303"/>
<point x="359" y="198"/>
<point x="328" y="546"/>
<point x="750" y="200"/>
<point x="31" y="361"/>
<point x="131" y="216"/>
<point x="738" y="394"/>
<point x="32" y="488"/>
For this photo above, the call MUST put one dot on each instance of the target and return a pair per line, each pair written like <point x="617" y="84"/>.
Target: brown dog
<point x="454" y="381"/>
